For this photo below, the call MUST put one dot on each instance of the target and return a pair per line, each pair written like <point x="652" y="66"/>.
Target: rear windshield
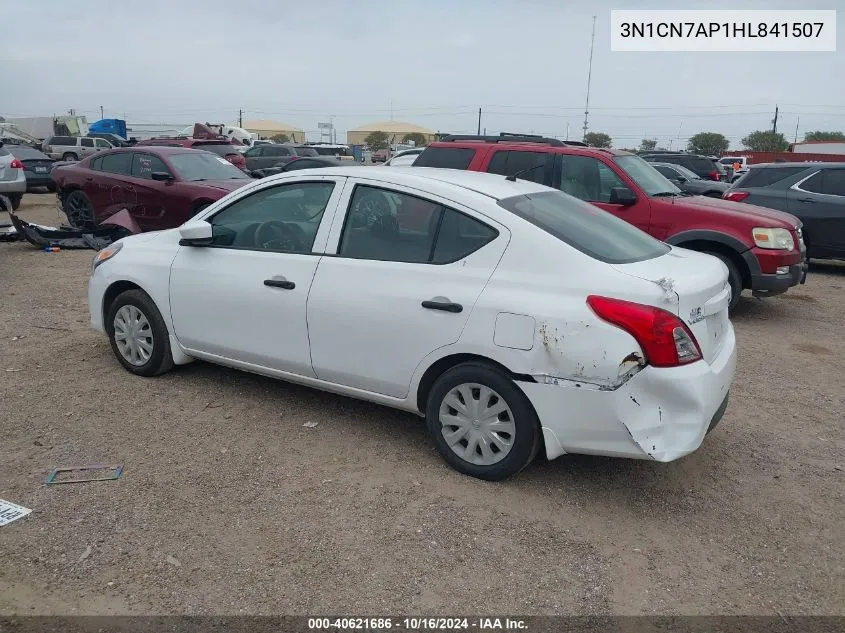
<point x="218" y="148"/>
<point x="765" y="176"/>
<point x="306" y="151"/>
<point x="585" y="227"/>
<point x="445" y="157"/>
<point x="25" y="153"/>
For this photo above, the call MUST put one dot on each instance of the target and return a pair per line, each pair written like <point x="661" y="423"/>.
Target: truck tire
<point x="734" y="279"/>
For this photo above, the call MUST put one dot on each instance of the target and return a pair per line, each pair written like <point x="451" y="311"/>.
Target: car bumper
<point x="659" y="413"/>
<point x="97" y="286"/>
<point x="16" y="184"/>
<point x="38" y="180"/>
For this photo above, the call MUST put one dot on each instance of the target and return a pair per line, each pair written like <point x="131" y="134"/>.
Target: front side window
<point x="99" y="142"/>
<point x="585" y="227"/>
<point x="284" y="218"/>
<point x="392" y="226"/>
<point x="588" y="178"/>
<point x="834" y="182"/>
<point x="143" y="166"/>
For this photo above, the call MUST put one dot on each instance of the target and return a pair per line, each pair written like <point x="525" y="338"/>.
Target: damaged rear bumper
<point x="659" y="413"/>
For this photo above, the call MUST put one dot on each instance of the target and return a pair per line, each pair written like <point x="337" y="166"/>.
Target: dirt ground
<point x="228" y="505"/>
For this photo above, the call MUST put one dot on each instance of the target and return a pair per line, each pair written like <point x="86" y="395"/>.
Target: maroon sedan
<point x="161" y="187"/>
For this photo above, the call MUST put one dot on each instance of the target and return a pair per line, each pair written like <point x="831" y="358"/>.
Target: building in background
<point x="396" y="131"/>
<point x="269" y="129"/>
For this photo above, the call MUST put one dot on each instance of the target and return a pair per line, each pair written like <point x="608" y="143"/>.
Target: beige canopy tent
<point x="269" y="129"/>
<point x="396" y="130"/>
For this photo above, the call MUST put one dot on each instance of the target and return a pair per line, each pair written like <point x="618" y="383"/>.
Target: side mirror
<point x="623" y="196"/>
<point x="680" y="179"/>
<point x="161" y="176"/>
<point x="195" y="233"/>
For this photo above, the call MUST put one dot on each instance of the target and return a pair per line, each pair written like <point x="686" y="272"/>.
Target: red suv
<point x="222" y="148"/>
<point x="762" y="248"/>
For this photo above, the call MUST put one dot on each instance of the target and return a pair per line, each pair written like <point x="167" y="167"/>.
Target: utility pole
<point x="391" y="109"/>
<point x="240" y="118"/>
<point x="796" y="128"/>
<point x="589" y="78"/>
<point x="567" y="130"/>
<point x="101" y="113"/>
<point x="479" y="121"/>
<point x="775" y="122"/>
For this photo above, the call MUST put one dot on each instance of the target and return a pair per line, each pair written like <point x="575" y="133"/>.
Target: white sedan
<point x="513" y="317"/>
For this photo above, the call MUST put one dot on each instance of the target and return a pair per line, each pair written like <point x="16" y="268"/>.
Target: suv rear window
<point x="445" y="157"/>
<point x="585" y="227"/>
<point x="765" y="176"/>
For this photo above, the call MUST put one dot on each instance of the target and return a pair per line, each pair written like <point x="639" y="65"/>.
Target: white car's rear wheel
<point x="481" y="423"/>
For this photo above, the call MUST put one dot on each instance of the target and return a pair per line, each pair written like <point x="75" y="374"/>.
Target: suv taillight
<point x="16" y="164"/>
<point x="736" y="196"/>
<point x="714" y="175"/>
<point x="665" y="340"/>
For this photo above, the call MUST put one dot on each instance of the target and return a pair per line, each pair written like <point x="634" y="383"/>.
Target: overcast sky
<point x="436" y="61"/>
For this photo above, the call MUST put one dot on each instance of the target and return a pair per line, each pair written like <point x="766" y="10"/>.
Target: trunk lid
<point x="695" y="287"/>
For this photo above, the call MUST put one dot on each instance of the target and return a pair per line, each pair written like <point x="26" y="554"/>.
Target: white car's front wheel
<point x="481" y="423"/>
<point x="138" y="334"/>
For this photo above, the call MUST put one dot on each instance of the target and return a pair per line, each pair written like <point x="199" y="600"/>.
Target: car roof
<point x="797" y="163"/>
<point x="535" y="146"/>
<point x="490" y="185"/>
<point x="164" y="150"/>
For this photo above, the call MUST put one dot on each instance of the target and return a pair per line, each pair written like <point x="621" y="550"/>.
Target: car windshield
<point x="686" y="173"/>
<point x="647" y="177"/>
<point x="204" y="166"/>
<point x="584" y="226"/>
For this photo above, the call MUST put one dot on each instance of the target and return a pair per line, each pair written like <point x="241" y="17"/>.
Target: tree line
<point x="714" y="143"/>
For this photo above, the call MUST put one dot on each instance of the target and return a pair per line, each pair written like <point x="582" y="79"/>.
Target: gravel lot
<point x="229" y="505"/>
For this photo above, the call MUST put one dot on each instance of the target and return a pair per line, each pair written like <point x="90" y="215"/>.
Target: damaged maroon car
<point x="159" y="187"/>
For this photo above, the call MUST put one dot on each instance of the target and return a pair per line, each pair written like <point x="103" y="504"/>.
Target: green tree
<point x="280" y="138"/>
<point x="708" y="143"/>
<point x="376" y="140"/>
<point x="598" y="139"/>
<point x="648" y="144"/>
<point x="824" y="136"/>
<point x="418" y="139"/>
<point x="765" y="141"/>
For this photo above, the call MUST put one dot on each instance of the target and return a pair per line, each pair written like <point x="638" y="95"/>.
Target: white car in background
<point x="405" y="158"/>
<point x="12" y="179"/>
<point x="513" y="317"/>
<point x="730" y="161"/>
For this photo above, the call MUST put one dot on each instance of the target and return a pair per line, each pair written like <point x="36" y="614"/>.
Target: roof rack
<point x="507" y="137"/>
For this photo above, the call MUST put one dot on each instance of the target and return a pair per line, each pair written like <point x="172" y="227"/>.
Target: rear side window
<point x="117" y="163"/>
<point x="765" y="176"/>
<point x="392" y="226"/>
<point x="528" y="165"/>
<point x="445" y="157"/>
<point x="585" y="227"/>
<point x="87" y="142"/>
<point x="63" y="140"/>
<point x="828" y="181"/>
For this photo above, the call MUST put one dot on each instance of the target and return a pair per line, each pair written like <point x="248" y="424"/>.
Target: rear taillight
<point x="736" y="196"/>
<point x="16" y="164"/>
<point x="714" y="175"/>
<point x="665" y="340"/>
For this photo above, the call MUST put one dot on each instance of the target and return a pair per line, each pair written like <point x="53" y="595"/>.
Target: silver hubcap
<point x="133" y="335"/>
<point x="477" y="424"/>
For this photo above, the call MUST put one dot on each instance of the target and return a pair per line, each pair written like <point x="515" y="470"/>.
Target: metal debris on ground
<point x="117" y="472"/>
<point x="85" y="554"/>
<point x="11" y="512"/>
<point x="310" y="425"/>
